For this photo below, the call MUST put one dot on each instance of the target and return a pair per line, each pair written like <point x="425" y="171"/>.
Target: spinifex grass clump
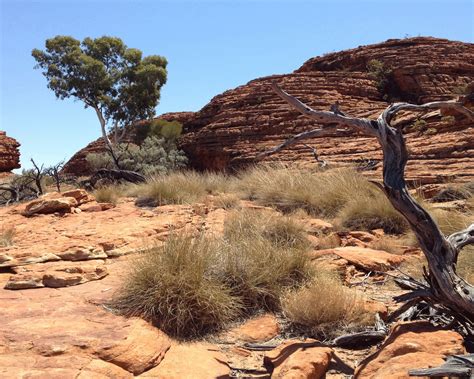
<point x="324" y="306"/>
<point x="179" y="188"/>
<point x="337" y="193"/>
<point x="179" y="287"/>
<point x="191" y="286"/>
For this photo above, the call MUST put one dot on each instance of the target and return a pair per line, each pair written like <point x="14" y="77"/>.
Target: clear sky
<point x="211" y="46"/>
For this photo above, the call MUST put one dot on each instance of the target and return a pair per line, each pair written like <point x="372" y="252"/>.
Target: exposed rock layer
<point x="9" y="153"/>
<point x="229" y="131"/>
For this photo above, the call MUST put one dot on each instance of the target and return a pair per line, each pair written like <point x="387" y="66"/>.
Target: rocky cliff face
<point x="237" y="124"/>
<point x="9" y="153"/>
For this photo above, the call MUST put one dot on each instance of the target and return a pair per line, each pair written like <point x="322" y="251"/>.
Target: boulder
<point x="412" y="345"/>
<point x="81" y="196"/>
<point x="49" y="205"/>
<point x="9" y="153"/>
<point x="298" y="360"/>
<point x="259" y="329"/>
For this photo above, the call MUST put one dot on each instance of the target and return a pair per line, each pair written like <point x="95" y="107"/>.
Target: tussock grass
<point x="226" y="200"/>
<point x="280" y="231"/>
<point x="179" y="188"/>
<point x="287" y="188"/>
<point x="324" y="306"/>
<point x="109" y="194"/>
<point x="7" y="235"/>
<point x="339" y="193"/>
<point x="193" y="286"/>
<point x="368" y="211"/>
<point x="179" y="287"/>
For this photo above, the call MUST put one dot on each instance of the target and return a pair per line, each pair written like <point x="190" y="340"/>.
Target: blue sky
<point x="211" y="46"/>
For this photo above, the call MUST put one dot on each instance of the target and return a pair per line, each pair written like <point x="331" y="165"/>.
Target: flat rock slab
<point x="88" y="235"/>
<point x="410" y="346"/>
<point x="191" y="360"/>
<point x="47" y="324"/>
<point x="364" y="258"/>
<point x="56" y="274"/>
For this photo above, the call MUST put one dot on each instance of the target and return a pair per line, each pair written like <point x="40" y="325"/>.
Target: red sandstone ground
<point x="62" y="269"/>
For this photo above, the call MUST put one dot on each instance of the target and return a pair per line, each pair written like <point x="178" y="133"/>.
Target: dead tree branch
<point x="445" y="287"/>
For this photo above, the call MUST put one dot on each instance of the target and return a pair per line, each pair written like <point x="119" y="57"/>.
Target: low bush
<point x="155" y="155"/>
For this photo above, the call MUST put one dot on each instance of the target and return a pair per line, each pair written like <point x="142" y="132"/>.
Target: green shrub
<point x="170" y="130"/>
<point x="381" y="74"/>
<point x="154" y="156"/>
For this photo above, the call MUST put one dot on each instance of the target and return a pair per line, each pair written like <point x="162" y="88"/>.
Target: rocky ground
<point x="71" y="254"/>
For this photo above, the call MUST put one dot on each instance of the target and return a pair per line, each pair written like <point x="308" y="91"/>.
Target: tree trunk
<point x="445" y="288"/>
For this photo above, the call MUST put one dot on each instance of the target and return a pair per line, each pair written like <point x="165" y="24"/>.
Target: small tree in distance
<point x="107" y="76"/>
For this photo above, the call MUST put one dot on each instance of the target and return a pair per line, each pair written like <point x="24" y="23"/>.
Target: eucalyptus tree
<point x="117" y="82"/>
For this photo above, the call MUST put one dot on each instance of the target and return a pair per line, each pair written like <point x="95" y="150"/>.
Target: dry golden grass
<point x="179" y="188"/>
<point x="325" y="306"/>
<point x="226" y="200"/>
<point x="281" y="231"/>
<point x="178" y="287"/>
<point x="7" y="235"/>
<point x="370" y="211"/>
<point x="288" y="188"/>
<point x="193" y="286"/>
<point x="109" y="194"/>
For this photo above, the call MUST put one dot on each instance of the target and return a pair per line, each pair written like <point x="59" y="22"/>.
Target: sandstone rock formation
<point x="9" y="153"/>
<point x="229" y="131"/>
<point x="409" y="346"/>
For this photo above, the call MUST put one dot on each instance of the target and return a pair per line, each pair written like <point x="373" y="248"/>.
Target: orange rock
<point x="80" y="195"/>
<point x="55" y="275"/>
<point x="191" y="360"/>
<point x="410" y="346"/>
<point x="316" y="226"/>
<point x="293" y="360"/>
<point x="9" y="153"/>
<point x="258" y="329"/>
<point x="365" y="258"/>
<point x="48" y="206"/>
<point x="143" y="348"/>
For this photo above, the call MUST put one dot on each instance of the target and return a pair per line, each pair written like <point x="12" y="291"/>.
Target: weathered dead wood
<point x="445" y="287"/>
<point x="455" y="366"/>
<point x="116" y="175"/>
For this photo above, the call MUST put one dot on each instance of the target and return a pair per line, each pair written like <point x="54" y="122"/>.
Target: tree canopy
<point x="119" y="83"/>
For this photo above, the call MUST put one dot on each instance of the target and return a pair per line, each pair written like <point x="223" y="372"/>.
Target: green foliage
<point x="170" y="130"/>
<point x="418" y="126"/>
<point x="381" y="74"/>
<point x="105" y="75"/>
<point x="154" y="156"/>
